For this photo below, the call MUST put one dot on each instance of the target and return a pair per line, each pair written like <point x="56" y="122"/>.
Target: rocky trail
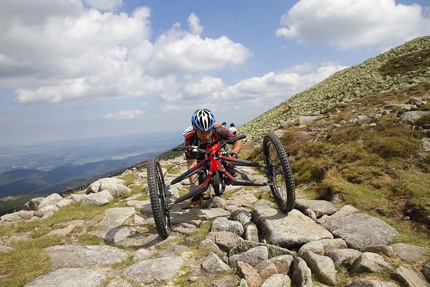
<point x="249" y="243"/>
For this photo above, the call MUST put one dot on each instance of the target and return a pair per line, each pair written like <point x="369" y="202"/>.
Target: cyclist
<point x="205" y="133"/>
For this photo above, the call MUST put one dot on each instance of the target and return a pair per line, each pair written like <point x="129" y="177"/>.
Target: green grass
<point x="27" y="261"/>
<point x="379" y="170"/>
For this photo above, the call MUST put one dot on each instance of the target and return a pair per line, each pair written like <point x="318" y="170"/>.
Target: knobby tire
<point x="279" y="172"/>
<point x="157" y="196"/>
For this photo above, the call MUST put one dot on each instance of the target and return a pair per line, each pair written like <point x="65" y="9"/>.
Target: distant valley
<point x="55" y="167"/>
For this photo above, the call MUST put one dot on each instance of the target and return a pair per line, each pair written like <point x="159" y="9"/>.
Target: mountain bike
<point x="219" y="169"/>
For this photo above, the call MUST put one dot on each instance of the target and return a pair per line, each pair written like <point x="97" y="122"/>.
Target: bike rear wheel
<point x="215" y="183"/>
<point x="279" y="172"/>
<point x="159" y="205"/>
<point x="218" y="186"/>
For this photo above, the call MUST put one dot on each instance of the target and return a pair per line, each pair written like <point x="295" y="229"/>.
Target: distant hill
<point x="26" y="181"/>
<point x="401" y="67"/>
<point x="57" y="180"/>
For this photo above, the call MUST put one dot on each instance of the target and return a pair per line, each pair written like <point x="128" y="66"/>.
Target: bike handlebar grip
<point x="178" y="148"/>
<point x="237" y="138"/>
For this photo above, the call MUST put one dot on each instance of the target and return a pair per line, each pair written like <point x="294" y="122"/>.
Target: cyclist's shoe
<point x="198" y="199"/>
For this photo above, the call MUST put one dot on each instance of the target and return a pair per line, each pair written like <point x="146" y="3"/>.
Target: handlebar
<point x="200" y="150"/>
<point x="192" y="148"/>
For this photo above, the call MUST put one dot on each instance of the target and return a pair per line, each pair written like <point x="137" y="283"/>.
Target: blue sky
<point x="87" y="68"/>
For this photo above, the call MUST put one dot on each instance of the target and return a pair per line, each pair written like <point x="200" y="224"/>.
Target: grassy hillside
<point x="379" y="167"/>
<point x="376" y="164"/>
<point x="399" y="68"/>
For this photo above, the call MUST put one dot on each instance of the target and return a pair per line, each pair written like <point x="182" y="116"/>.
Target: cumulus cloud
<point x="255" y="94"/>
<point x="68" y="51"/>
<point x="181" y="52"/>
<point x="123" y="115"/>
<point x="350" y="24"/>
<point x="104" y="4"/>
<point x="194" y="23"/>
<point x="203" y="86"/>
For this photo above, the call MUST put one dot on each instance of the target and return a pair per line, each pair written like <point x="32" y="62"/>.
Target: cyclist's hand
<point x="233" y="154"/>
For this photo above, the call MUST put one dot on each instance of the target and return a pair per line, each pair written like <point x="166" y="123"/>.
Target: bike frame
<point x="213" y="163"/>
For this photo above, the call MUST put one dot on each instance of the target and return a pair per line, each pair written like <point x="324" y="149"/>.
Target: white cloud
<point x="181" y="52"/>
<point x="261" y="93"/>
<point x="68" y="89"/>
<point x="252" y="95"/>
<point x="104" y="4"/>
<point x="351" y="24"/>
<point x="194" y="23"/>
<point x="123" y="115"/>
<point x="68" y="52"/>
<point x="204" y="86"/>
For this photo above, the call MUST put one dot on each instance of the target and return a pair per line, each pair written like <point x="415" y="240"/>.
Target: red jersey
<point x="219" y="134"/>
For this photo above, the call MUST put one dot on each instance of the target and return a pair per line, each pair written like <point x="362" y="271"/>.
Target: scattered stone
<point x="361" y="230"/>
<point x="118" y="282"/>
<point x="115" y="235"/>
<point x="344" y="257"/>
<point x="148" y="271"/>
<point x="116" y="216"/>
<point x="322" y="266"/>
<point x="289" y="231"/>
<point x="50" y="200"/>
<point x="370" y="263"/>
<point x="223" y="224"/>
<point x="225" y="240"/>
<point x="213" y="264"/>
<point x="320" y="207"/>
<point x="277" y="280"/>
<point x="426" y="271"/>
<point x="301" y="275"/>
<point x="70" y="277"/>
<point x="282" y="263"/>
<point x="252" y="256"/>
<point x="226" y="281"/>
<point x="5" y="249"/>
<point x="242" y="216"/>
<point x="251" y="232"/>
<point x="371" y="283"/>
<point x="266" y="268"/>
<point x="385" y="250"/>
<point x="100" y="198"/>
<point x="249" y="274"/>
<point x="344" y="211"/>
<point x="322" y="247"/>
<point x="142" y="254"/>
<point x="173" y="250"/>
<point x="305" y="120"/>
<point x="410" y="277"/>
<point x="408" y="252"/>
<point x="62" y="256"/>
<point x="33" y="204"/>
<point x="213" y="213"/>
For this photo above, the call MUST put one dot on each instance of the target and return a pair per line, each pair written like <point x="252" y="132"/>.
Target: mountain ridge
<point x="353" y="82"/>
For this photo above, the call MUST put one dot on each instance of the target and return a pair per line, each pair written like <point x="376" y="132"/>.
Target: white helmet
<point x="203" y="120"/>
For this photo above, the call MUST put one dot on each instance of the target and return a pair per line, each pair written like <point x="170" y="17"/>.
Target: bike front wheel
<point x="159" y="205"/>
<point x="279" y="173"/>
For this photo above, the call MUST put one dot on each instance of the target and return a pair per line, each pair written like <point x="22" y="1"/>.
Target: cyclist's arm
<point x="237" y="146"/>
<point x="190" y="164"/>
